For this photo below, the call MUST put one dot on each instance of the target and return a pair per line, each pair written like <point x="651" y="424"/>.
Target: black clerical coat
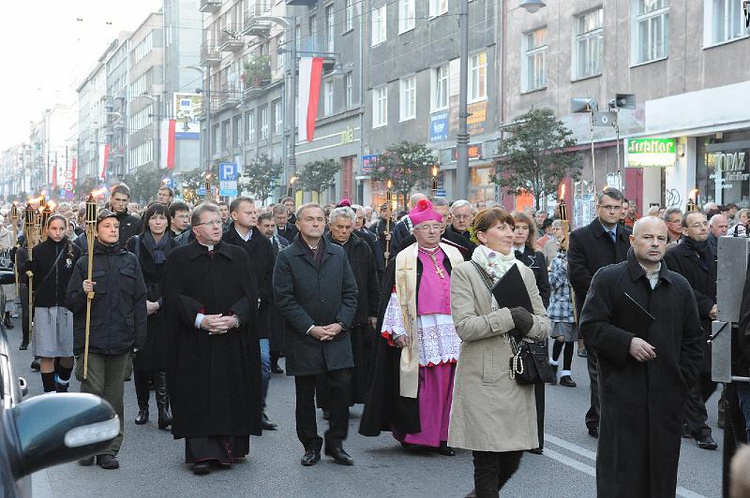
<point x="641" y="403"/>
<point x="214" y="380"/>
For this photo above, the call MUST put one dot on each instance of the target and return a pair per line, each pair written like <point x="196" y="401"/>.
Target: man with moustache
<point x="243" y="232"/>
<point x="695" y="259"/>
<point x="600" y="243"/>
<point x="214" y="369"/>
<point x="317" y="295"/>
<point x="641" y="320"/>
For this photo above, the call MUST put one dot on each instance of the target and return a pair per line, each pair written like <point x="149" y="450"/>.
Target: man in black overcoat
<point x="600" y="243"/>
<point x="267" y="226"/>
<point x="243" y="232"/>
<point x="340" y="222"/>
<point x="646" y="365"/>
<point x="695" y="259"/>
<point x="214" y="370"/>
<point x="317" y="295"/>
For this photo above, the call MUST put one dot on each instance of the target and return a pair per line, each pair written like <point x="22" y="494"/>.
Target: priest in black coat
<point x="646" y="365"/>
<point x="214" y="373"/>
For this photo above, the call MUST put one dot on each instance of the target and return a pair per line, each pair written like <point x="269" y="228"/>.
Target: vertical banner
<point x="310" y="74"/>
<point x="73" y="168"/>
<point x="54" y="176"/>
<point x="167" y="143"/>
<point x="103" y="157"/>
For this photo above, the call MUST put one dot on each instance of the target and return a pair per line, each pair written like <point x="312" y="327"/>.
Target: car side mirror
<point x="57" y="428"/>
<point x="7" y="277"/>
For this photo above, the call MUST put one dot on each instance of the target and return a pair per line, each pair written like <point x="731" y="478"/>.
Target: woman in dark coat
<point x="524" y="244"/>
<point x="152" y="248"/>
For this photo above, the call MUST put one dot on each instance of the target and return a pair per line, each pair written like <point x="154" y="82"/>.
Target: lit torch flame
<point x="562" y="191"/>
<point x="99" y="192"/>
<point x="34" y="200"/>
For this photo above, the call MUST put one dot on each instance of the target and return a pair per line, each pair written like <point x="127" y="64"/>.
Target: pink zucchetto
<point x="423" y="212"/>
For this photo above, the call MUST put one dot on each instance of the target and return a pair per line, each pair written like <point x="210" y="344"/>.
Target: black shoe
<point x="266" y="424"/>
<point x="86" y="462"/>
<point x="142" y="417"/>
<point x="35" y="365"/>
<point x="593" y="431"/>
<point x="536" y="451"/>
<point x="201" y="469"/>
<point x="310" y="458"/>
<point x="275" y="368"/>
<point x="165" y="418"/>
<point x="61" y="388"/>
<point x="108" y="462"/>
<point x="445" y="450"/>
<point x="339" y="456"/>
<point x="566" y="381"/>
<point x="705" y="442"/>
<point x="24" y="346"/>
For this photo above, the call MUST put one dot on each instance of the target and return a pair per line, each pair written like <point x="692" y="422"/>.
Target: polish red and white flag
<point x="103" y="158"/>
<point x="310" y="74"/>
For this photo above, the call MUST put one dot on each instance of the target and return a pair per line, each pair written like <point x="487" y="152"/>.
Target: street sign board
<point x="227" y="172"/>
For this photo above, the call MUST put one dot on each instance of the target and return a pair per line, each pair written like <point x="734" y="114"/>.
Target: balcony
<point x="210" y="6"/>
<point x="210" y="55"/>
<point x="229" y="96"/>
<point x="255" y="27"/>
<point x="231" y="38"/>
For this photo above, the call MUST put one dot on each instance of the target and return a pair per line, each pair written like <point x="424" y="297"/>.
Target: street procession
<point x="467" y="248"/>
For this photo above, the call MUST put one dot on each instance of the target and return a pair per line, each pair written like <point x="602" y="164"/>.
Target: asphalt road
<point x="152" y="461"/>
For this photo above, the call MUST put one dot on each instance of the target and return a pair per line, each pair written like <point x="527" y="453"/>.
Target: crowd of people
<point x="200" y="302"/>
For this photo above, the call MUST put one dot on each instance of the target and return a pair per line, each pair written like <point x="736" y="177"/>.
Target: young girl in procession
<point x="52" y="338"/>
<point x="560" y="310"/>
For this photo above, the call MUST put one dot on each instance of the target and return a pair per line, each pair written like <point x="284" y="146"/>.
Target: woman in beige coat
<point x="492" y="415"/>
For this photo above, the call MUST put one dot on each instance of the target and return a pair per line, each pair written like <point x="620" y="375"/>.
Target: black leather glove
<point x="523" y="321"/>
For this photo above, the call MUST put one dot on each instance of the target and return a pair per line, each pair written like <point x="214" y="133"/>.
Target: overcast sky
<point x="48" y="46"/>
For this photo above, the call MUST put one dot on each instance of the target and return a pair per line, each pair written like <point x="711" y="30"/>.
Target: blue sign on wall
<point x="227" y="172"/>
<point x="438" y="126"/>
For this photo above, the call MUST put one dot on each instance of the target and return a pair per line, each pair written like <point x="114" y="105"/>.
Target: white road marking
<point x="591" y="455"/>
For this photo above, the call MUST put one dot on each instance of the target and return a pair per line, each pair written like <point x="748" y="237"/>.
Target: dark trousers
<point x="142" y="379"/>
<point x="539" y="398"/>
<point x="492" y="470"/>
<point x="592" y="361"/>
<point x="23" y="292"/>
<point x="338" y="382"/>
<point x="695" y="404"/>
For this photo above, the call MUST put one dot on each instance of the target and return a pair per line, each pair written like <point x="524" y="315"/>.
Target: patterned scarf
<point x="494" y="263"/>
<point x="157" y="249"/>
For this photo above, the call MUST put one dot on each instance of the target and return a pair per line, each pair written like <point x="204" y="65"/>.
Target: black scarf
<point x="700" y="248"/>
<point x="157" y="249"/>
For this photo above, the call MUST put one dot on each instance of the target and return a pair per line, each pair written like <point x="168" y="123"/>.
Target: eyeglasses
<point x="611" y="207"/>
<point x="462" y="216"/>
<point x="431" y="228"/>
<point x="212" y="223"/>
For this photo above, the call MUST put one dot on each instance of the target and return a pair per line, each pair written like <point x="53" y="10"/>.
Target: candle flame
<point x="33" y="200"/>
<point x="52" y="205"/>
<point x="562" y="191"/>
<point x="389" y="184"/>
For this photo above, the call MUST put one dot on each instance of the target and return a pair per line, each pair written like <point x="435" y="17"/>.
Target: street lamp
<point x="532" y="5"/>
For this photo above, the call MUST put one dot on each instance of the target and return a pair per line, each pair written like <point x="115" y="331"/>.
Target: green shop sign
<point x="651" y="152"/>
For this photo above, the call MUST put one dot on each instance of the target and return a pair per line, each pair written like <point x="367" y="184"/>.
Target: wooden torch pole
<point x="90" y="230"/>
<point x="388" y="207"/>
<point x="29" y="232"/>
<point x="14" y="223"/>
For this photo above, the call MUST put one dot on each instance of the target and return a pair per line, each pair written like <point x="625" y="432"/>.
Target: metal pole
<point x="209" y="152"/>
<point x="157" y="155"/>
<point x="292" y="112"/>
<point x="462" y="145"/>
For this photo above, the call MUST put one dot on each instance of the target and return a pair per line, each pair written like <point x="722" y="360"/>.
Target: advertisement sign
<point x="477" y="120"/>
<point x="650" y="152"/>
<point x="368" y="162"/>
<point x="187" y="107"/>
<point x="438" y="126"/>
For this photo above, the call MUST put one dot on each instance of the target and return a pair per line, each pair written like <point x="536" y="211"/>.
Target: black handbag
<point x="529" y="363"/>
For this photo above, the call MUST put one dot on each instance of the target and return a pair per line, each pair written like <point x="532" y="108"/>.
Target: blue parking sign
<point x="227" y="172"/>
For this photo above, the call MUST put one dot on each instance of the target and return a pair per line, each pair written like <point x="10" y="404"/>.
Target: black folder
<point x="510" y="291"/>
<point x="631" y="316"/>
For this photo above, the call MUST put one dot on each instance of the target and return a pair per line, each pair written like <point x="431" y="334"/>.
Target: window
<point x="534" y="71"/>
<point x="379" y="106"/>
<point x="406" y="19"/>
<point x="724" y="22"/>
<point x="650" y="30"/>
<point x="589" y="44"/>
<point x="215" y="140"/>
<point x="438" y="7"/>
<point x="439" y="88"/>
<point x="280" y="52"/>
<point x="378" y="26"/>
<point x="278" y="117"/>
<point x="348" y="15"/>
<point x="327" y="98"/>
<point x="263" y="122"/>
<point x="312" y="25"/>
<point x="330" y="28"/>
<point x="408" y="101"/>
<point x="250" y="126"/>
<point x="225" y="143"/>
<point x="477" y="77"/>
<point x="348" y="91"/>
<point x="237" y="131"/>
